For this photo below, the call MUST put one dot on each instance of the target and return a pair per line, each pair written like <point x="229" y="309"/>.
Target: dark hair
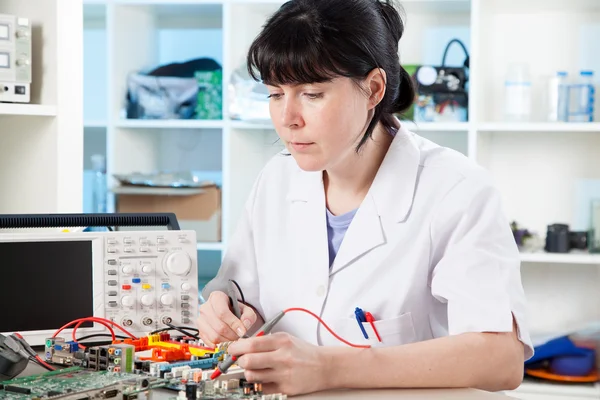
<point x="312" y="41"/>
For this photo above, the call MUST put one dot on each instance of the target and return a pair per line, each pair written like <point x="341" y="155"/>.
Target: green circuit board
<point x="79" y="384"/>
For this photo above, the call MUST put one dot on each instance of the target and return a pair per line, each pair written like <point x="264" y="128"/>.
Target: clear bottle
<point x="99" y="200"/>
<point x="557" y="96"/>
<point x="517" y="93"/>
<point x="582" y="98"/>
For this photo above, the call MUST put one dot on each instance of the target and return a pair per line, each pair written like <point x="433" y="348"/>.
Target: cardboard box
<point x="196" y="209"/>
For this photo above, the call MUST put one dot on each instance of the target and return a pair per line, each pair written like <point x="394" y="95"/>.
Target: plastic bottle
<point x="582" y="98"/>
<point x="100" y="190"/>
<point x="557" y="97"/>
<point x="517" y="93"/>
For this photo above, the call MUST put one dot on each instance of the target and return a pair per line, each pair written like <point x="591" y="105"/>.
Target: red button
<point x="126" y="287"/>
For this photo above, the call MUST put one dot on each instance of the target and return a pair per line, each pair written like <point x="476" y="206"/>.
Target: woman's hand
<point x="282" y="363"/>
<point x="218" y="324"/>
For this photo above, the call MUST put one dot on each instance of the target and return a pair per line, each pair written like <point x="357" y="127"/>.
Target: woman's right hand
<point x="218" y="324"/>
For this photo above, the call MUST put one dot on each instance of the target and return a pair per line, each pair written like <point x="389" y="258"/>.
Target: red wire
<point x="365" y="346"/>
<point x="131" y="335"/>
<point x="44" y="363"/>
<point x="84" y="320"/>
<point x="103" y="321"/>
<point x="81" y="322"/>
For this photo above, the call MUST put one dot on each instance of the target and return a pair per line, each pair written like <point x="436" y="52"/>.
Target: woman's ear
<point x="375" y="82"/>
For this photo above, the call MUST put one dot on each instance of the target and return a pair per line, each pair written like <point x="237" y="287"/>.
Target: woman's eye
<point x="314" y="96"/>
<point x="274" y="96"/>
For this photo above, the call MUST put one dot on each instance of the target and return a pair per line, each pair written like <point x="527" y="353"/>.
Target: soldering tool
<point x="229" y="360"/>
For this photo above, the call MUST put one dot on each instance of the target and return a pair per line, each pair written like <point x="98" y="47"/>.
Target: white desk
<point x="387" y="394"/>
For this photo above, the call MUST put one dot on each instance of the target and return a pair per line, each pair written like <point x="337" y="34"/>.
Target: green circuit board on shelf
<point x="79" y="384"/>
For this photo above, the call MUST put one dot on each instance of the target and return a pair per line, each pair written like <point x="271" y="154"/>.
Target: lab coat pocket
<point x="392" y="331"/>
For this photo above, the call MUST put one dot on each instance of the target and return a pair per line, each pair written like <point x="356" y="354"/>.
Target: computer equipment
<point x="140" y="280"/>
<point x="15" y="58"/>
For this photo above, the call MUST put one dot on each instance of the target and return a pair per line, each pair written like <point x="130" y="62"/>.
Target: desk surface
<point x="384" y="394"/>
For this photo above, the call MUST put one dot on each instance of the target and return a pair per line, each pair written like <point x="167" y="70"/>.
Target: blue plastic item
<point x="575" y="365"/>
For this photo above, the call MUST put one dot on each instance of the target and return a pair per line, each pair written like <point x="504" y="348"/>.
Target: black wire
<point x="101" y="335"/>
<point x="170" y="329"/>
<point x="239" y="290"/>
<point x="182" y="330"/>
<point x="36" y="361"/>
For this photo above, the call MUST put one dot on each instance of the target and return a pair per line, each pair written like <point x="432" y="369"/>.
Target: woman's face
<point x="321" y="124"/>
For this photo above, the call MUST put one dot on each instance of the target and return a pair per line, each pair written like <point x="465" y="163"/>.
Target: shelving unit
<point x="535" y="164"/>
<point x="565" y="259"/>
<point x="31" y="110"/>
<point x="40" y="141"/>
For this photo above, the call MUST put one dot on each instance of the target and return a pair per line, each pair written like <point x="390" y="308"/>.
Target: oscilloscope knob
<point x="178" y="263"/>
<point x="167" y="299"/>
<point x="128" y="301"/>
<point x="147" y="300"/>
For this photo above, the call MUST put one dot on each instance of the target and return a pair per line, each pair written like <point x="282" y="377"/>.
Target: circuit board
<point x="80" y="384"/>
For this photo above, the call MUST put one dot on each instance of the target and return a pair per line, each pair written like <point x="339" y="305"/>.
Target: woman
<point x="364" y="214"/>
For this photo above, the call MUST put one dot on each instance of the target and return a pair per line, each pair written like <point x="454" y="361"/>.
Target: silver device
<point x="15" y="59"/>
<point x="140" y="280"/>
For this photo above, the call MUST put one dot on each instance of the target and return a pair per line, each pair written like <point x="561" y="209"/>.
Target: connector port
<point x="109" y="394"/>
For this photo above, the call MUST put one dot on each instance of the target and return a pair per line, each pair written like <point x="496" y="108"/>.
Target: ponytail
<point x="406" y="93"/>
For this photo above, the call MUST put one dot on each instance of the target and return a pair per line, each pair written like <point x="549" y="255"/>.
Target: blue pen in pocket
<point x="360" y="318"/>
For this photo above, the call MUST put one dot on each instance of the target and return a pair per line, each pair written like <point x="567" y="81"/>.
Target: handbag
<point x="442" y="91"/>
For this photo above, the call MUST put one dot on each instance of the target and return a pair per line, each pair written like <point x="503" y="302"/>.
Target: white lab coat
<point x="429" y="252"/>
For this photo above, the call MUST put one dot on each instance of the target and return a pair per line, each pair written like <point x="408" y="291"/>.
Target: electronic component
<point x="59" y="351"/>
<point x="140" y="280"/>
<point x="77" y="383"/>
<point x="15" y="59"/>
<point x="112" y="358"/>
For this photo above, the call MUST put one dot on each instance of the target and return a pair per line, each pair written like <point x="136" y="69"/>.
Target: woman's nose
<point x="290" y="114"/>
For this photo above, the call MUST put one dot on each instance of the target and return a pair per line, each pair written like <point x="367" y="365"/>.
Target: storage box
<point x="197" y="209"/>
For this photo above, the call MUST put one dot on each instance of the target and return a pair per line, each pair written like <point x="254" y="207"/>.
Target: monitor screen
<point x="44" y="285"/>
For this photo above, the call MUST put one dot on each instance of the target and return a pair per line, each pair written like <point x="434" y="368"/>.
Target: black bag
<point x="442" y="94"/>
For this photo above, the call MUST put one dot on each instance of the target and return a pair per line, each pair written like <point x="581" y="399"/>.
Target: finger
<point x="225" y="316"/>
<point x="207" y="334"/>
<point x="271" y="388"/>
<point x="259" y="344"/>
<point x="261" y="375"/>
<point x="258" y="361"/>
<point x="211" y="328"/>
<point x="248" y="316"/>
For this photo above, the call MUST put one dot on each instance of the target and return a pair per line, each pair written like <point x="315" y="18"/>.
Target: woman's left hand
<point x="282" y="363"/>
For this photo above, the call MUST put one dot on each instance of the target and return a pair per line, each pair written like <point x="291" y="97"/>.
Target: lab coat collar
<point x="394" y="185"/>
<point x="390" y="197"/>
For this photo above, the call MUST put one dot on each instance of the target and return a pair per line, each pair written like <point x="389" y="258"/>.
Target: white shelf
<point x="250" y="125"/>
<point x="561" y="258"/>
<point x="436" y="6"/>
<point x="170" y="124"/>
<point x="437" y="126"/>
<point x="94" y="124"/>
<point x="210" y="246"/>
<point x="27" y="109"/>
<point x="571" y="391"/>
<point x="539" y="127"/>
